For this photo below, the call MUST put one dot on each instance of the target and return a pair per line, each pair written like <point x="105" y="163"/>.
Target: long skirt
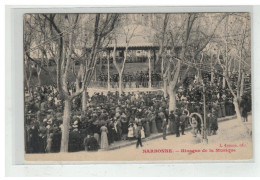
<point x="159" y="126"/>
<point x="142" y="133"/>
<point x="147" y="129"/>
<point x="130" y="132"/>
<point x="219" y="112"/>
<point x="135" y="130"/>
<point x="171" y="127"/>
<point x="154" y="128"/>
<point x="223" y="110"/>
<point x="48" y="147"/>
<point x="110" y="136"/>
<point x="104" y="141"/>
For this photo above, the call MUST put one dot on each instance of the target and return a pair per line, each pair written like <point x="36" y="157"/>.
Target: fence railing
<point x="128" y="85"/>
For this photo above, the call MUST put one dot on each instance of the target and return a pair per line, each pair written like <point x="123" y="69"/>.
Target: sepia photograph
<point x="144" y="87"/>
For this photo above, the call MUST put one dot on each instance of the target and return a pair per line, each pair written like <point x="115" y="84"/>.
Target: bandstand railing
<point x="126" y="85"/>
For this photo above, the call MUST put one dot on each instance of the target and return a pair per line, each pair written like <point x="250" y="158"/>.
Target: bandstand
<point x="141" y="57"/>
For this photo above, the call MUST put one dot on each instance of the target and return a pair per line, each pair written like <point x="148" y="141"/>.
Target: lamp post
<point x="204" y="122"/>
<point x="204" y="130"/>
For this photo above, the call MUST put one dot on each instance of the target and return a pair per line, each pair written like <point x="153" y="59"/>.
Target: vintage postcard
<point x="137" y="87"/>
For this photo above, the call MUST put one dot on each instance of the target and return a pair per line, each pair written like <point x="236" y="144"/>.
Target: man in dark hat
<point x="91" y="143"/>
<point x="138" y="134"/>
<point x="182" y="122"/>
<point x="177" y="125"/>
<point x="164" y="128"/>
<point x="118" y="127"/>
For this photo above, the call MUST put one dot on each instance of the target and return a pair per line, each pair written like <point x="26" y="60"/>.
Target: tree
<point x="38" y="53"/>
<point x="42" y="55"/>
<point x="163" y="41"/>
<point x="103" y="25"/>
<point x="232" y="55"/>
<point x="28" y="38"/>
<point x="187" y="38"/>
<point x="128" y="33"/>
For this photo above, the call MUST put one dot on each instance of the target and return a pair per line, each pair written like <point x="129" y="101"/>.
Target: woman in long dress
<point x="147" y="128"/>
<point x="154" y="127"/>
<point x="142" y="133"/>
<point x="96" y="131"/>
<point x="159" y="118"/>
<point x="171" y="122"/>
<point x="130" y="134"/>
<point x="194" y="126"/>
<point x="124" y="123"/>
<point x="49" y="142"/>
<point x="104" y="140"/>
<point x="111" y="132"/>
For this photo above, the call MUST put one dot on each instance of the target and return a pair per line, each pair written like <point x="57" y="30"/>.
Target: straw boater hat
<point x="123" y="116"/>
<point x="49" y="110"/>
<point x="75" y="124"/>
<point x="117" y="115"/>
<point x="50" y="121"/>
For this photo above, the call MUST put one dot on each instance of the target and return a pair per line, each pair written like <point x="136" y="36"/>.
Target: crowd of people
<point x="131" y="80"/>
<point x="109" y="118"/>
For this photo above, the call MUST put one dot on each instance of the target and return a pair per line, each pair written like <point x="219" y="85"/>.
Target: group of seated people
<point x="130" y="59"/>
<point x="131" y="80"/>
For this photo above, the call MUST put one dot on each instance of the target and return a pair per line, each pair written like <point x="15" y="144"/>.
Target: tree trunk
<point x="28" y="86"/>
<point x="224" y="83"/>
<point x="84" y="101"/>
<point x="172" y="103"/>
<point x="242" y="84"/>
<point x="66" y="124"/>
<point x="120" y="84"/>
<point x="165" y="87"/>
<point x="77" y="85"/>
<point x="238" y="113"/>
<point x="39" y="80"/>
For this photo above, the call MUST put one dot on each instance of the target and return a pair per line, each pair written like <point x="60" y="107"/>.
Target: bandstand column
<point x="108" y="71"/>
<point x="150" y="76"/>
<point x="154" y="59"/>
<point x="211" y="69"/>
<point x="95" y="74"/>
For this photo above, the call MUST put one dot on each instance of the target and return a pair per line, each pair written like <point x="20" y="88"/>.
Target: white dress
<point x="142" y="133"/>
<point x="130" y="132"/>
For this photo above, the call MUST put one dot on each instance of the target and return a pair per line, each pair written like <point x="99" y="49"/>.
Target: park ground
<point x="230" y="143"/>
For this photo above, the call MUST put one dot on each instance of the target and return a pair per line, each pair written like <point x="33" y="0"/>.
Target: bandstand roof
<point x="142" y="38"/>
